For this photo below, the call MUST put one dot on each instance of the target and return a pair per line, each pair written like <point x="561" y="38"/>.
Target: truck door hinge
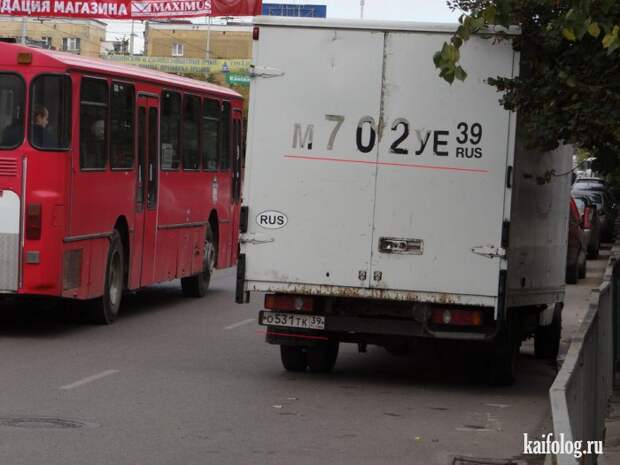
<point x="255" y="239"/>
<point x="243" y="220"/>
<point x="489" y="251"/>
<point x="264" y="71"/>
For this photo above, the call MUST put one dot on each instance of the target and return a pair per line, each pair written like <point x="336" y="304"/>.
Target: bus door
<point x="147" y="186"/>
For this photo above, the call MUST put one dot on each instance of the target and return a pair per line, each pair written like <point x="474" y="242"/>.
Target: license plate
<point x="290" y="320"/>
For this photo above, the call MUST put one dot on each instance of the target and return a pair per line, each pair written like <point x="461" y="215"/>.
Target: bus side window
<point x="226" y="139"/>
<point x="141" y="152"/>
<point x="122" y="126"/>
<point x="93" y="124"/>
<point x="210" y="134"/>
<point x="191" y="133"/>
<point x="170" y="130"/>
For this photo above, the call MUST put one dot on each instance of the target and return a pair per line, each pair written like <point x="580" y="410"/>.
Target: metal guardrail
<point x="581" y="391"/>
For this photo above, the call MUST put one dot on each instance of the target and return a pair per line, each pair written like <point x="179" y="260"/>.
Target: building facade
<point x="83" y="36"/>
<point x="182" y="39"/>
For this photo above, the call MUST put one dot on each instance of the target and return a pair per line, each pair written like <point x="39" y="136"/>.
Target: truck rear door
<point x="310" y="194"/>
<point x="442" y="170"/>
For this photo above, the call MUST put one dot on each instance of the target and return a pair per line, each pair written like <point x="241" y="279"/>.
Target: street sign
<point x="238" y="79"/>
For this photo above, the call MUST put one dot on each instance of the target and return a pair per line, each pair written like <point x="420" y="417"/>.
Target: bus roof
<point x="44" y="58"/>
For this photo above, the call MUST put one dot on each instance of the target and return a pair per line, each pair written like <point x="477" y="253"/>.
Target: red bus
<point x="113" y="178"/>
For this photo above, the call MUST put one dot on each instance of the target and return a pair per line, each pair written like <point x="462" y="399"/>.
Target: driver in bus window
<point x="41" y="135"/>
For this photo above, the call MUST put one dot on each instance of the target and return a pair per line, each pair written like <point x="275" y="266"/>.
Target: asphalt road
<point x="179" y="381"/>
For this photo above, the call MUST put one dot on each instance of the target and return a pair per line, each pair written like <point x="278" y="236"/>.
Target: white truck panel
<point x="448" y="189"/>
<point x="318" y="214"/>
<point x="326" y="240"/>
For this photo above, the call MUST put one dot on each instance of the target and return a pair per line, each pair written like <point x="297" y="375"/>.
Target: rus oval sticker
<point x="271" y="219"/>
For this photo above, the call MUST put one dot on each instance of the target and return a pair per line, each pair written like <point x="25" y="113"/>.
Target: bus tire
<point x="196" y="286"/>
<point x="104" y="310"/>
<point x="294" y="358"/>
<point x="322" y="358"/>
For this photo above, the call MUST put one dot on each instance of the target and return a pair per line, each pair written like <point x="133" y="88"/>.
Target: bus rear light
<point x="456" y="317"/>
<point x="24" y="58"/>
<point x="289" y="302"/>
<point x="256" y="33"/>
<point x="33" y="221"/>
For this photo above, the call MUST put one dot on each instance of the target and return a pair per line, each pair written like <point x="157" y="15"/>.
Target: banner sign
<point x="185" y="65"/>
<point x="130" y="9"/>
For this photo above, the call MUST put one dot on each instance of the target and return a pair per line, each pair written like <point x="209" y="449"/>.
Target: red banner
<point x="128" y="9"/>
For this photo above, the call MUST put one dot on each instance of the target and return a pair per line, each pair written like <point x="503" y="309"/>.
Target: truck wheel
<point x="104" y="310"/>
<point x="572" y="274"/>
<point x="322" y="358"/>
<point x="582" y="266"/>
<point x="504" y="362"/>
<point x="294" y="358"/>
<point x="196" y="286"/>
<point x="547" y="338"/>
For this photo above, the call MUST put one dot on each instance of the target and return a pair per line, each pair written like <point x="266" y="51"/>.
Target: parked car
<point x="590" y="223"/>
<point x="585" y="183"/>
<point x="606" y="211"/>
<point x="576" y="251"/>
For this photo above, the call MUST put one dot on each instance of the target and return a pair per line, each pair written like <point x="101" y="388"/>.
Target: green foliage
<point x="568" y="88"/>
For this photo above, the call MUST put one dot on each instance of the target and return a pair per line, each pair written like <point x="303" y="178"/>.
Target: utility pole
<point x="23" y="41"/>
<point x="208" y="37"/>
<point x="362" y="3"/>
<point x="131" y="38"/>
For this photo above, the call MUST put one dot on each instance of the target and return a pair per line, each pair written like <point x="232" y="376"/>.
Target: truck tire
<point x="104" y="310"/>
<point x="572" y="274"/>
<point x="294" y="358"/>
<point x="582" y="266"/>
<point x="322" y="358"/>
<point x="547" y="338"/>
<point x="504" y="362"/>
<point x="196" y="286"/>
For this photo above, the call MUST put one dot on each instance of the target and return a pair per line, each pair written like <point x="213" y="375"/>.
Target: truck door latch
<point x="401" y="246"/>
<point x="489" y="251"/>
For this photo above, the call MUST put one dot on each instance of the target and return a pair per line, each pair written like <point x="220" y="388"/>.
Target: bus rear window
<point x="12" y="101"/>
<point x="50" y="112"/>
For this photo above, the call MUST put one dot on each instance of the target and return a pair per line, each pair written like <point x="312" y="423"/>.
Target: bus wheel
<point x="197" y="285"/>
<point x="104" y="310"/>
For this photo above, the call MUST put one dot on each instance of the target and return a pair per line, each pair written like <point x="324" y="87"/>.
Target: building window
<point x="71" y="44"/>
<point x="47" y="42"/>
<point x="177" y="50"/>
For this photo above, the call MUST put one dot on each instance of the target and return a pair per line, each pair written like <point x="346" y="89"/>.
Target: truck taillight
<point x="586" y="218"/>
<point x="443" y="316"/>
<point x="289" y="302"/>
<point x="34" y="221"/>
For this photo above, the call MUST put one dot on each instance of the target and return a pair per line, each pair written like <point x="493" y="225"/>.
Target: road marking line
<point x="241" y="323"/>
<point x="89" y="379"/>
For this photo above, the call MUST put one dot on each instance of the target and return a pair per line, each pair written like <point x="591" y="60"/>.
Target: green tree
<point x="568" y="88"/>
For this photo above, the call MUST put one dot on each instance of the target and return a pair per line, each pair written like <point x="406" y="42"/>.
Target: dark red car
<point x="576" y="251"/>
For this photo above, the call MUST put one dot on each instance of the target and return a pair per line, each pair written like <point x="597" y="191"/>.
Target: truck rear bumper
<point x="356" y="329"/>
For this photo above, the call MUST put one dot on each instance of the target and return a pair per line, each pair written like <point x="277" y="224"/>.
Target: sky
<point x="393" y="10"/>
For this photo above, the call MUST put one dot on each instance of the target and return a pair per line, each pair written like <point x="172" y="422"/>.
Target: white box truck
<point x="382" y="204"/>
